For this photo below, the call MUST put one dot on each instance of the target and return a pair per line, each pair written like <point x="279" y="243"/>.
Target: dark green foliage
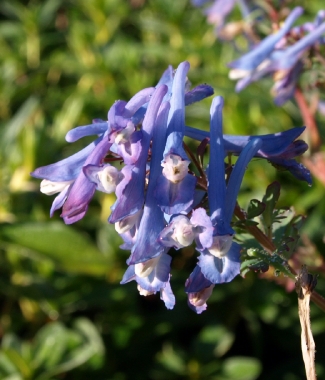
<point x="63" y="313"/>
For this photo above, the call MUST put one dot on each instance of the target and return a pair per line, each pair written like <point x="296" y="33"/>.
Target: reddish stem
<point x="308" y="118"/>
<point x="269" y="246"/>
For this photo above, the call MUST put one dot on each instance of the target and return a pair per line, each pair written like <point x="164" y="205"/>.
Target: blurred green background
<point x="63" y="314"/>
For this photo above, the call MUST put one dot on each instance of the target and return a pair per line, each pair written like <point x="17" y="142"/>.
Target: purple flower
<point x="158" y="205"/>
<point x="253" y="59"/>
<point x="149" y="265"/>
<point x="130" y="191"/>
<point x="62" y="176"/>
<point x="82" y="190"/>
<point x="152" y="222"/>
<point x="76" y="178"/>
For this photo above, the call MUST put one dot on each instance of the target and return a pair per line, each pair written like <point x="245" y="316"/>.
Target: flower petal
<point x="273" y="144"/>
<point x="173" y="198"/>
<point x="67" y="169"/>
<point x="167" y="295"/>
<point x="198" y="93"/>
<point x="82" y="190"/>
<point x="96" y="128"/>
<point x="152" y="223"/>
<point x="295" y="168"/>
<point x="237" y="175"/>
<point x="220" y="270"/>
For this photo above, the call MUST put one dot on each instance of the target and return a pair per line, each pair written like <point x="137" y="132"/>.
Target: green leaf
<point x="256" y="265"/>
<point x="255" y="208"/>
<point x="258" y="259"/>
<point x="270" y="199"/>
<point x="241" y="368"/>
<point x="7" y="367"/>
<point x="48" y="11"/>
<point x="286" y="232"/>
<point x="49" y="345"/>
<point x="68" y="248"/>
<point x="219" y="336"/>
<point x="19" y="362"/>
<point x="171" y="360"/>
<point x="91" y="345"/>
<point x="11" y="341"/>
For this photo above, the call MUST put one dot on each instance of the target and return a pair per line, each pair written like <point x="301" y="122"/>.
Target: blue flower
<point x="277" y="148"/>
<point x="175" y="186"/>
<point x="76" y="178"/>
<point x="219" y="259"/>
<point x="152" y="222"/>
<point x="158" y="205"/>
<point x="253" y="59"/>
<point x="152" y="277"/>
<point x="220" y="9"/>
<point x="149" y="264"/>
<point x="198" y="289"/>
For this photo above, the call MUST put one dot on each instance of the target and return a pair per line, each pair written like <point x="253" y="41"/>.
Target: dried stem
<point x="304" y="286"/>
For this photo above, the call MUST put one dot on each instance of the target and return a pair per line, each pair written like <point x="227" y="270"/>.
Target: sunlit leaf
<point x="68" y="248"/>
<point x="241" y="368"/>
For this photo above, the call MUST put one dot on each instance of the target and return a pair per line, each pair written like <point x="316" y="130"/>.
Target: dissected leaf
<point x="270" y="199"/>
<point x="260" y="260"/>
<point x="255" y="208"/>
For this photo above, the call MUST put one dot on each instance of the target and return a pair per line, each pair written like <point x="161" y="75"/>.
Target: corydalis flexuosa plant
<point x="165" y="198"/>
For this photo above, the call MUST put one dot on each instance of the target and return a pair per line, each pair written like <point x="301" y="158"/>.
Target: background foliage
<point x="63" y="313"/>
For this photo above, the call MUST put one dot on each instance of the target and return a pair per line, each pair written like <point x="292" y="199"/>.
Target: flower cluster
<point x="161" y="203"/>
<point x="285" y="55"/>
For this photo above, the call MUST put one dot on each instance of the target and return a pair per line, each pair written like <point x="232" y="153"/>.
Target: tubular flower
<point x="74" y="198"/>
<point x="130" y="191"/>
<point x="161" y="204"/>
<point x="175" y="186"/>
<point x="279" y="149"/>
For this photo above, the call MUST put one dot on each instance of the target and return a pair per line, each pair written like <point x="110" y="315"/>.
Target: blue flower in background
<point x="218" y="11"/>
<point x="277" y="55"/>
